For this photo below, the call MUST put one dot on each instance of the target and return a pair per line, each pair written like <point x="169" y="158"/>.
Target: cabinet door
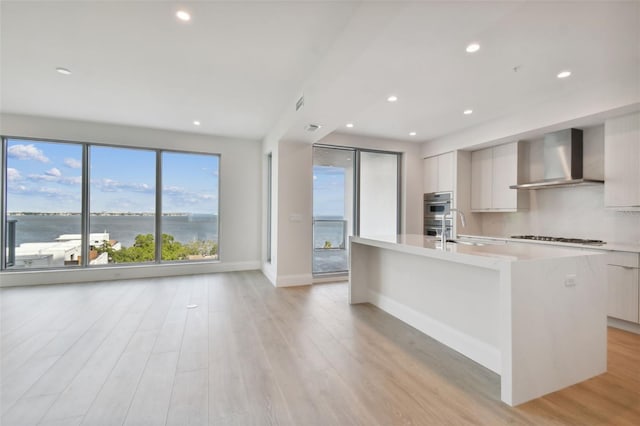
<point x="505" y="173"/>
<point x="430" y="175"/>
<point x="623" y="292"/>
<point x="481" y="179"/>
<point x="621" y="159"/>
<point x="445" y="172"/>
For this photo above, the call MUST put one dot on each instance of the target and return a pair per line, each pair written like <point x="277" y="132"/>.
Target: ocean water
<point x="330" y="230"/>
<point x="34" y="228"/>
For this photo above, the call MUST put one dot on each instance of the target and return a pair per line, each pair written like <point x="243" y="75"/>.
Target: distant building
<point x="65" y="250"/>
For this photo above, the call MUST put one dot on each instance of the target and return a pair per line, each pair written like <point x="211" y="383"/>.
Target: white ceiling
<point x="239" y="67"/>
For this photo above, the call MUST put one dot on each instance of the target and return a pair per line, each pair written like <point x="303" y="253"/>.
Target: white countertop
<point x="633" y="248"/>
<point x="492" y="255"/>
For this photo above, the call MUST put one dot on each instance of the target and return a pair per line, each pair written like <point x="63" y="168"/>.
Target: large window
<point x="122" y="209"/>
<point x="43" y="204"/>
<point x="189" y="206"/>
<point x="75" y="204"/>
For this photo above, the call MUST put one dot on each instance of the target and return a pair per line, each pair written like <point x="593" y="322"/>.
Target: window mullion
<point x="158" y="206"/>
<point x="85" y="207"/>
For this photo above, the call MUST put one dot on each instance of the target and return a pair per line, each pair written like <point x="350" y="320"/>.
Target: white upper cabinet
<point x="622" y="162"/>
<point x="438" y="173"/>
<point x="492" y="171"/>
<point x="481" y="179"/>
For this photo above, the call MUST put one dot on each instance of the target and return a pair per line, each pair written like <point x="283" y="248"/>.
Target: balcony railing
<point x="329" y="234"/>
<point x="11" y="242"/>
<point x="330" y="254"/>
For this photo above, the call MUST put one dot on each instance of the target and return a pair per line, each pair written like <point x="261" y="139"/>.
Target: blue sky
<point x="46" y="177"/>
<point x="328" y="191"/>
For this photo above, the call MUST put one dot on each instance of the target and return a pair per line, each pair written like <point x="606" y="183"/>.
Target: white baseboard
<point x="623" y="325"/>
<point x="269" y="271"/>
<point x="480" y="352"/>
<point x="65" y="276"/>
<point x="337" y="278"/>
<point x="294" y="280"/>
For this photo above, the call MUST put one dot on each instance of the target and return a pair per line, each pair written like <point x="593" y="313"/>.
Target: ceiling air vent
<point x="300" y="103"/>
<point x="312" y="127"/>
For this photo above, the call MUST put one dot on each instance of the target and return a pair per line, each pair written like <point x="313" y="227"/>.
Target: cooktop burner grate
<point x="559" y="239"/>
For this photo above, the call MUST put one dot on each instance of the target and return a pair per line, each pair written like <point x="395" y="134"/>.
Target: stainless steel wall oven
<point x="437" y="206"/>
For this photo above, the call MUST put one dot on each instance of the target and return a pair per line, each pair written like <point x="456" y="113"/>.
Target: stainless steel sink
<point x="466" y="242"/>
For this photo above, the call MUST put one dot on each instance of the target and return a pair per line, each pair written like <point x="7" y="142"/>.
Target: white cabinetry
<point x="621" y="160"/>
<point x="492" y="171"/>
<point x="438" y="173"/>
<point x="623" y="281"/>
<point x="482" y="179"/>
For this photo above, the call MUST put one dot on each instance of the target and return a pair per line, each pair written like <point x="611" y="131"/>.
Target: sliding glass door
<point x="333" y="202"/>
<point x="378" y="194"/>
<point x="354" y="192"/>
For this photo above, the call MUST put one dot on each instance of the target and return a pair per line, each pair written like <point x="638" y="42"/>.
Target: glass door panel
<point x="333" y="195"/>
<point x="378" y="194"/>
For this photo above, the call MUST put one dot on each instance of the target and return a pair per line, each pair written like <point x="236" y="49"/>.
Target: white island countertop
<point x="534" y="314"/>
<point x="493" y="253"/>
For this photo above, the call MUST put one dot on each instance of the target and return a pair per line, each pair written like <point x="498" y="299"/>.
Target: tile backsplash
<point x="567" y="212"/>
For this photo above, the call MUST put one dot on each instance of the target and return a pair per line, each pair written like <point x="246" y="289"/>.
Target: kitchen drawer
<point x="620" y="258"/>
<point x="622" y="284"/>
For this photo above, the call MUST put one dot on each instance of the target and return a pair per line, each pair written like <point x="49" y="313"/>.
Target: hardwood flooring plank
<point x="74" y="358"/>
<point x="150" y="403"/>
<point x="77" y="398"/>
<point x="14" y="385"/>
<point x="190" y="399"/>
<point x="251" y="354"/>
<point x="27" y="411"/>
<point x="114" y="399"/>
<point x="71" y="421"/>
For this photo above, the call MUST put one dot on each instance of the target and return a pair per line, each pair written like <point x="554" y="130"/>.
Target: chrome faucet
<point x="444" y="225"/>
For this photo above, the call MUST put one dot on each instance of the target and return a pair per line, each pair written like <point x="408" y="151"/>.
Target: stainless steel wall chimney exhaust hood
<point x="562" y="162"/>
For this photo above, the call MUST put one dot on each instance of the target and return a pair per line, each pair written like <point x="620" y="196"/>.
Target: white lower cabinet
<point x="623" y="280"/>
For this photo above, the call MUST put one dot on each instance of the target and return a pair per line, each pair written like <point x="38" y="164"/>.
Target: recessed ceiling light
<point x="392" y="98"/>
<point x="473" y="47"/>
<point x="196" y="123"/>
<point x="467" y="111"/>
<point x="412" y="133"/>
<point x="349" y="125"/>
<point x="63" y="71"/>
<point x="564" y="74"/>
<point x="183" y="15"/>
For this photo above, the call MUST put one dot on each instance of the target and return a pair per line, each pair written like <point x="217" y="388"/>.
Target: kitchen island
<point x="534" y="315"/>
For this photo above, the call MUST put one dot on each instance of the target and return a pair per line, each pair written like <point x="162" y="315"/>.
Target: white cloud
<point x="180" y="196"/>
<point x="72" y="163"/>
<point x="53" y="172"/>
<point x="110" y="185"/>
<point x="50" y="176"/>
<point x="13" y="174"/>
<point x="27" y="152"/>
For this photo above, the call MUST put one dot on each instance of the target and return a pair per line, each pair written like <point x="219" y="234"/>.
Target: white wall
<point x="293" y="243"/>
<point x="568" y="212"/>
<point x="295" y="213"/>
<point x="240" y="191"/>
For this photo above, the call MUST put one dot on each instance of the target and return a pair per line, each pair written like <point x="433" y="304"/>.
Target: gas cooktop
<point x="559" y="239"/>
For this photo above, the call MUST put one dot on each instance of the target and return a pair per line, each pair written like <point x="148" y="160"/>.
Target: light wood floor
<point x="131" y="353"/>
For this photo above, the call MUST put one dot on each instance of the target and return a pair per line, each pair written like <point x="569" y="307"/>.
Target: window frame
<point x="85" y="205"/>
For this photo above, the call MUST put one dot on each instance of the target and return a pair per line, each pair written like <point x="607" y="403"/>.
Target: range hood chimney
<point x="562" y="162"/>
